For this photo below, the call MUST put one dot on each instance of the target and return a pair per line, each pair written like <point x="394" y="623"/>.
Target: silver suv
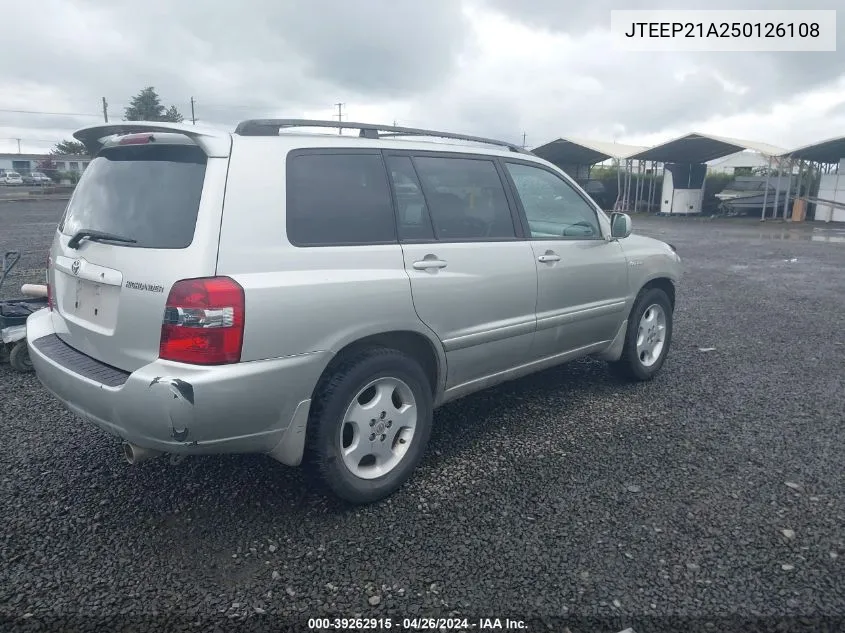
<point x="314" y="296"/>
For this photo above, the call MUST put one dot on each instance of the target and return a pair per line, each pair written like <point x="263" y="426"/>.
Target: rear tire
<point x="369" y="425"/>
<point x="648" y="337"/>
<point x="19" y="357"/>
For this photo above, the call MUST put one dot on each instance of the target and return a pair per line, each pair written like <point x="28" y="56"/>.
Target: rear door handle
<point x="548" y="257"/>
<point x="426" y="264"/>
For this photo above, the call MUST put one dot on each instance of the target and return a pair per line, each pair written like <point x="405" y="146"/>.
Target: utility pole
<point x="339" y="115"/>
<point x="19" y="145"/>
<point x="523" y="140"/>
<point x="105" y="110"/>
<point x="193" y="118"/>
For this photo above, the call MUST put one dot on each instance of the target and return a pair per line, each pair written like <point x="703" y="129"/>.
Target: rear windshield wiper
<point x="97" y="236"/>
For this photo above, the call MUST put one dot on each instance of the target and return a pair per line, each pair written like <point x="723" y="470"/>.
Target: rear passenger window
<point x="338" y="199"/>
<point x="411" y="211"/>
<point x="466" y="198"/>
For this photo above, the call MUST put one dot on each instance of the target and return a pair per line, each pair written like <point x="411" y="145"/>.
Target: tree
<point x="49" y="168"/>
<point x="173" y="115"/>
<point x="69" y="148"/>
<point x="147" y="106"/>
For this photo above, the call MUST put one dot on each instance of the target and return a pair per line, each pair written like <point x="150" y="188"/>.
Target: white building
<point x="832" y="189"/>
<point x="830" y="200"/>
<point x="26" y="163"/>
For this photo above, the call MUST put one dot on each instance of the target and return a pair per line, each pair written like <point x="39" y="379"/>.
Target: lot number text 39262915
<point x="416" y="624"/>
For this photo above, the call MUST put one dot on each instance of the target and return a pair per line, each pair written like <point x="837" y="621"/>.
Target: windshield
<point x="148" y="193"/>
<point x="13" y="174"/>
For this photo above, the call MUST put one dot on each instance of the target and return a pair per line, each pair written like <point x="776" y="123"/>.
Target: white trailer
<point x="683" y="188"/>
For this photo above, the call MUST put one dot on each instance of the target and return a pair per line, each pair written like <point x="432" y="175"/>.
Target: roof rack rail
<point x="271" y="127"/>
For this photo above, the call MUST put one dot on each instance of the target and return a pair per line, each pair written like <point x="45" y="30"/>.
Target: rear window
<point x="338" y="199"/>
<point x="147" y="193"/>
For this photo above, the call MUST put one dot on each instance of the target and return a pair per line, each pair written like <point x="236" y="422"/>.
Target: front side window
<point x="466" y="198"/>
<point x="553" y="208"/>
<point x="338" y="199"/>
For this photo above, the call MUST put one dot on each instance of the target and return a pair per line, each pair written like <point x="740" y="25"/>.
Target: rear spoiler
<point x="215" y="143"/>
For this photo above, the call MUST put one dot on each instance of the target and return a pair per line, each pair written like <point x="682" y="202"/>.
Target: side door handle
<point x="430" y="262"/>
<point x="549" y="256"/>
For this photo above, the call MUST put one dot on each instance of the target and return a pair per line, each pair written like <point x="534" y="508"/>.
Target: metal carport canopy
<point x="829" y="151"/>
<point x="570" y="151"/>
<point x="701" y="148"/>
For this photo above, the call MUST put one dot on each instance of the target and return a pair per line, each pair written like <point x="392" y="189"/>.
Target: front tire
<point x="648" y="337"/>
<point x="369" y="425"/>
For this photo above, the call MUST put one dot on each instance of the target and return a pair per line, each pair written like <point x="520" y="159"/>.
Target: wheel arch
<point x="662" y="283"/>
<point x="422" y="348"/>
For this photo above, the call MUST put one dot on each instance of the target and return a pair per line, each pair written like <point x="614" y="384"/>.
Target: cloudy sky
<point x="500" y="68"/>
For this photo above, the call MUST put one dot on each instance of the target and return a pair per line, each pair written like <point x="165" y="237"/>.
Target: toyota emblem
<point x="74" y="267"/>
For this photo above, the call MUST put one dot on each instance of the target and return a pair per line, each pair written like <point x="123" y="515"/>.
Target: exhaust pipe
<point x="137" y="454"/>
<point x="34" y="290"/>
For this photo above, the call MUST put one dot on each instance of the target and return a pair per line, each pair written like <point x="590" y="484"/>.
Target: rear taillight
<point x="49" y="285"/>
<point x="203" y="322"/>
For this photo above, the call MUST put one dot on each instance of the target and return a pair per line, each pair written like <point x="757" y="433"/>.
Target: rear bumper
<point x="251" y="407"/>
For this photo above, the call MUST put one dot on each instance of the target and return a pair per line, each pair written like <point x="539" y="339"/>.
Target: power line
<point x="48" y="113"/>
<point x="222" y="106"/>
<point x="105" y="106"/>
<point x="31" y="140"/>
<point x="340" y="115"/>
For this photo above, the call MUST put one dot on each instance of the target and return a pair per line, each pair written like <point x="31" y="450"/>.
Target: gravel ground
<point x="717" y="490"/>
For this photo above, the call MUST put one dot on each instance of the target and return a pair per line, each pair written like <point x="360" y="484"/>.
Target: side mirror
<point x="620" y="225"/>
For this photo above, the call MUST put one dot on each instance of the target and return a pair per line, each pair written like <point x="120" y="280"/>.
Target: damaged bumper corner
<point x="180" y="396"/>
<point x="185" y="409"/>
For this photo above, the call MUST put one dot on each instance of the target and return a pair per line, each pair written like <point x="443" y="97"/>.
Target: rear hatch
<point x="145" y="214"/>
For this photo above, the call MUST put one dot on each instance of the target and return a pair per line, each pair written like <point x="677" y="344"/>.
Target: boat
<point x="746" y="194"/>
